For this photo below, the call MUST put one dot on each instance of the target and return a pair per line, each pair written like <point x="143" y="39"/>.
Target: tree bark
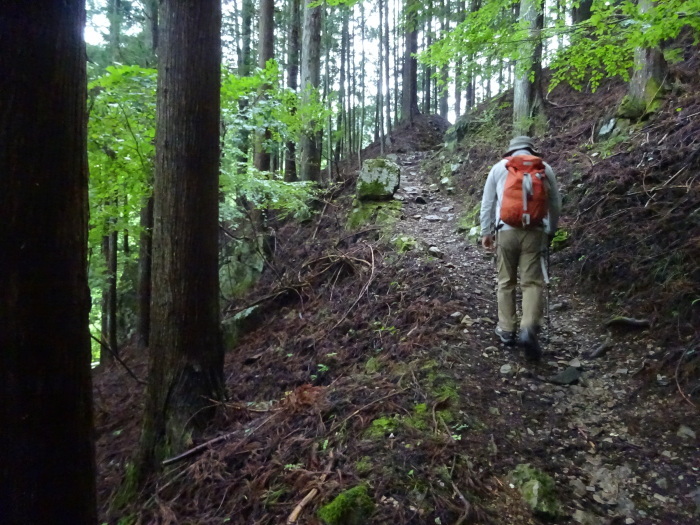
<point x="47" y="466"/>
<point x="290" y="169"/>
<point x="143" y="323"/>
<point x="582" y="12"/>
<point x="310" y="143"/>
<point x="266" y="52"/>
<point x="186" y="351"/>
<point x="527" y="95"/>
<point x="109" y="297"/>
<point x="248" y="10"/>
<point x="386" y="54"/>
<point x="650" y="70"/>
<point x="444" y="72"/>
<point x="409" y="99"/>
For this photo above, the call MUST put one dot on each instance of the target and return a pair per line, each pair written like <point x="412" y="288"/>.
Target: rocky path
<point x="619" y="453"/>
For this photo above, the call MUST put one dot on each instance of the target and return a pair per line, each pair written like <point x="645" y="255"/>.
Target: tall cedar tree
<point x="310" y="142"/>
<point x="186" y="352"/>
<point x="527" y="91"/>
<point x="143" y="323"/>
<point x="290" y="167"/>
<point x="650" y="70"/>
<point x="47" y="469"/>
<point x="266" y="52"/>
<point x="409" y="98"/>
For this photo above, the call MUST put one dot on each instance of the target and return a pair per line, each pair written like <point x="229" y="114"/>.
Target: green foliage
<point x="538" y="489"/>
<point x="604" y="45"/>
<point x="245" y="112"/>
<point x="351" y="507"/>
<point x="598" y="48"/>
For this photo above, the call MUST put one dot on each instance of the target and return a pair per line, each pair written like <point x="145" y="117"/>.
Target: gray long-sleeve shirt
<point x="493" y="195"/>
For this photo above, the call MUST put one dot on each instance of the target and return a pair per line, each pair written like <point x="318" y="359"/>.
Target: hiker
<point x="520" y="228"/>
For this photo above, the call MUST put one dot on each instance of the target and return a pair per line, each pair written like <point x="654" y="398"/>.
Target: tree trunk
<point x="444" y="72"/>
<point x="248" y="10"/>
<point x="309" y="145"/>
<point x="109" y="297"/>
<point x="386" y="54"/>
<point x="266" y="52"/>
<point x="650" y="71"/>
<point x="409" y="99"/>
<point x="527" y="95"/>
<point x="47" y="466"/>
<point x="582" y="12"/>
<point x="143" y="324"/>
<point x="186" y="352"/>
<point x="290" y="168"/>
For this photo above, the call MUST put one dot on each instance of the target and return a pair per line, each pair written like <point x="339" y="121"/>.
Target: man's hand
<point x="488" y="241"/>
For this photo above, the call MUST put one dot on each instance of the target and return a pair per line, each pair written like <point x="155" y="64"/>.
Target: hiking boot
<point x="528" y="340"/>
<point x="505" y="336"/>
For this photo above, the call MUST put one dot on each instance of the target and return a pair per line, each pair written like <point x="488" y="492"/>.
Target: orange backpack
<point x="526" y="193"/>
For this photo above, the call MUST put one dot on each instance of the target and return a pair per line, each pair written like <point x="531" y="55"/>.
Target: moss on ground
<point x="367" y="213"/>
<point x="351" y="507"/>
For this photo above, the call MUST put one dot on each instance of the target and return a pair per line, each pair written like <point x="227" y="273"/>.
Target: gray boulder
<point x="378" y="180"/>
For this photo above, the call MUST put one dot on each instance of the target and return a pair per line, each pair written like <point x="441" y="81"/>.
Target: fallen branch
<point x="294" y="516"/>
<point x="207" y="444"/>
<point x="337" y="425"/>
<point x="280" y="291"/>
<point x="601" y="350"/>
<point x="119" y="360"/>
<point x="467" y="506"/>
<point x="628" y="321"/>
<point x="678" y="384"/>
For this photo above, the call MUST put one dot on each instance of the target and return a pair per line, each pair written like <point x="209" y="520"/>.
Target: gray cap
<point x="521" y="142"/>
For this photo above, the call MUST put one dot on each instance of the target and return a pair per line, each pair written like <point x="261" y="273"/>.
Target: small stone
<point x="417" y="217"/>
<point x="456" y="314"/>
<point x="686" y="432"/>
<point x="575" y="362"/>
<point x="433" y="218"/>
<point x="662" y="483"/>
<point x="661" y="498"/>
<point x="621" y="372"/>
<point x="568" y="376"/>
<point x="559" y="306"/>
<point x="446" y="209"/>
<point x="436" y="252"/>
<point x="433" y="188"/>
<point x="507" y="369"/>
<point x="491" y="349"/>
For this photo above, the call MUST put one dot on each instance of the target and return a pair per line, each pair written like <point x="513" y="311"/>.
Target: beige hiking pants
<point x="521" y="249"/>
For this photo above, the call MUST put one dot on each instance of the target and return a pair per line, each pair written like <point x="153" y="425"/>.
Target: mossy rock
<point x="404" y="243"/>
<point x="537" y="489"/>
<point x="351" y="507"/>
<point x="233" y="328"/>
<point x="367" y="213"/>
<point x="378" y="180"/>
<point x="241" y="269"/>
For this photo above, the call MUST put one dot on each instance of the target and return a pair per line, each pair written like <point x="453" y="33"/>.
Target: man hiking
<point x="519" y="214"/>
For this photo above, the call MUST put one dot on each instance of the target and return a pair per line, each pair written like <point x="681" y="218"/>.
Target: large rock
<point x="378" y="180"/>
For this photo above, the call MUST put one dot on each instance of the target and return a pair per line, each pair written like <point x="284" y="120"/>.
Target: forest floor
<point x="367" y="361"/>
<point x="372" y="363"/>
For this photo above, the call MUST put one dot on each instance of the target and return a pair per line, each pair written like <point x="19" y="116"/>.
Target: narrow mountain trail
<point x="617" y="451"/>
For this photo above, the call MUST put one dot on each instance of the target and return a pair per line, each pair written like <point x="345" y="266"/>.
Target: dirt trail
<point x="616" y="454"/>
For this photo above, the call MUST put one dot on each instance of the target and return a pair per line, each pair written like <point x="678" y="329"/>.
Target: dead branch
<point x="628" y="321"/>
<point x="207" y="444"/>
<point x="119" y="360"/>
<point x="678" y="384"/>
<point x="337" y="425"/>
<point x="467" y="506"/>
<point x="312" y="493"/>
<point x="280" y="291"/>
